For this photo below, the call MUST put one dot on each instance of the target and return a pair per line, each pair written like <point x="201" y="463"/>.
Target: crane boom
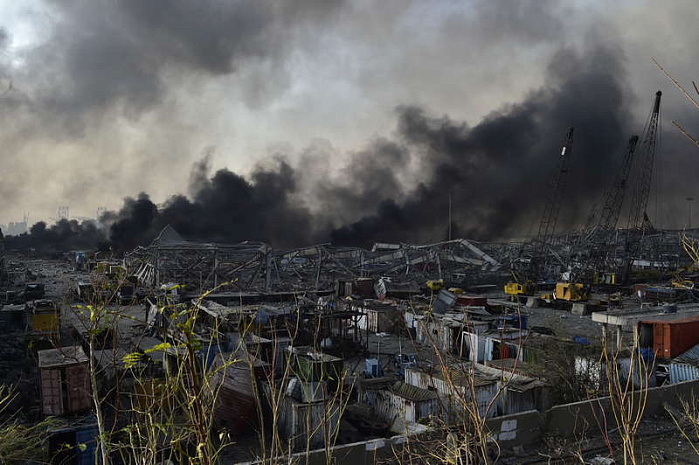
<point x="549" y="218"/>
<point x="638" y="215"/>
<point x="613" y="198"/>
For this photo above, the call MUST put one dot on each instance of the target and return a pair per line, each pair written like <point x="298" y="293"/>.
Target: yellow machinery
<point x="514" y="288"/>
<point x="44" y="317"/>
<point x="519" y="286"/>
<point x="435" y="285"/>
<point x="605" y="278"/>
<point x="571" y="292"/>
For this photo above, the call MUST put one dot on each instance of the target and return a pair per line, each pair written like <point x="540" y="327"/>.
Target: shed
<point x="404" y="404"/>
<point x="518" y="393"/>
<point x="457" y="388"/>
<point x="65" y="381"/>
<point x="75" y="443"/>
<point x="310" y="365"/>
<point x="377" y="316"/>
<point x="236" y="377"/>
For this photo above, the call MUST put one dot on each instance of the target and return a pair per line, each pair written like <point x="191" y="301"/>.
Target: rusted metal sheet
<point x="78" y="387"/>
<point x="52" y="400"/>
<point x="672" y="338"/>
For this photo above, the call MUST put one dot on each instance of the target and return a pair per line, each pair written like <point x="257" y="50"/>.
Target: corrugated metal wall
<point x="522" y="401"/>
<point x="390" y="407"/>
<point x="399" y="411"/>
<point x="680" y="372"/>
<point x="311" y="422"/>
<point x="485" y="393"/>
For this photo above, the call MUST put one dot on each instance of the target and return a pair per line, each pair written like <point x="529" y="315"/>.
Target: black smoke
<point x="225" y="207"/>
<point x="63" y="236"/>
<point x="496" y="174"/>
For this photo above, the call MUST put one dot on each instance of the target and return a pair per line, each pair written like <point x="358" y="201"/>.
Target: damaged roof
<point x="413" y="393"/>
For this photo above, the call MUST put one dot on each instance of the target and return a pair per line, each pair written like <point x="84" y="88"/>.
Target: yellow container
<point x="45" y="322"/>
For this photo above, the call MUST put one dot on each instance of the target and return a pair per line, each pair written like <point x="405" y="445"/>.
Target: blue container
<point x="86" y="439"/>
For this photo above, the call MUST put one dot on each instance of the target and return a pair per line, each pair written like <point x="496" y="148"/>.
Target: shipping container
<point x="673" y="337"/>
<point x="470" y="300"/>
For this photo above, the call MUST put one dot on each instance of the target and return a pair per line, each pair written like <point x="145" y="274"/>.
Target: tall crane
<point x="613" y="198"/>
<point x="523" y="285"/>
<point x="638" y="223"/>
<point x="549" y="218"/>
<point x="638" y="215"/>
<point x="600" y="235"/>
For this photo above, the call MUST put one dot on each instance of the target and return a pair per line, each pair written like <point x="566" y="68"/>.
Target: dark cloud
<point x="496" y="174"/>
<point x="120" y="54"/>
<point x="498" y="171"/>
<point x="116" y="68"/>
<point x="63" y="236"/>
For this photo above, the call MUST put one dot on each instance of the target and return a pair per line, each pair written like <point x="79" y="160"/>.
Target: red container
<point x="471" y="300"/>
<point x="674" y="337"/>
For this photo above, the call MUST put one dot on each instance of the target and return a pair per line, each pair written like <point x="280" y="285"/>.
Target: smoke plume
<point x="398" y="188"/>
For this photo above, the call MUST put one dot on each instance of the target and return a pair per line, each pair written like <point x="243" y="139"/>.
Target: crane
<point x="522" y="285"/>
<point x="638" y="222"/>
<point x="549" y="218"/>
<point x="600" y="235"/>
<point x="614" y="197"/>
<point x="638" y="215"/>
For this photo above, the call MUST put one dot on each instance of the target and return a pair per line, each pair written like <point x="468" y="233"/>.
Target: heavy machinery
<point x="519" y="286"/>
<point x="601" y="261"/>
<point x="638" y="224"/>
<point x="571" y="292"/>
<point x="598" y="241"/>
<point x="435" y="285"/>
<point x="523" y="285"/>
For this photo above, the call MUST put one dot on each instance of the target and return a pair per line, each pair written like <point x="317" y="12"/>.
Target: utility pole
<point x="689" y="212"/>
<point x="449" y="226"/>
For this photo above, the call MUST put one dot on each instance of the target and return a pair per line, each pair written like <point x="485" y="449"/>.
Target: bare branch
<point x="677" y="84"/>
<point x="689" y="136"/>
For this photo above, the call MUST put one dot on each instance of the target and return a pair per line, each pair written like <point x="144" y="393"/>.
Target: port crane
<point x="522" y="283"/>
<point x="599" y="237"/>
<point x="638" y="223"/>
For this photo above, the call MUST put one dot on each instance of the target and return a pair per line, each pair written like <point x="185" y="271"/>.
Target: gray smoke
<point x="117" y="96"/>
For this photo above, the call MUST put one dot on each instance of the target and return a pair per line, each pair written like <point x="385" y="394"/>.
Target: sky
<point x="103" y="99"/>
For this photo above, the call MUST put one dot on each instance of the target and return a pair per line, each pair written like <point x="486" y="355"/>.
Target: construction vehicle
<point x="519" y="286"/>
<point x="522" y="285"/>
<point x="571" y="292"/>
<point x="435" y="285"/>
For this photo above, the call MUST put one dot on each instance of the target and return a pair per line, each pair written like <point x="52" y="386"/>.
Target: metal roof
<point x="690" y="357"/>
<point x="62" y="356"/>
<point x="413" y="393"/>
